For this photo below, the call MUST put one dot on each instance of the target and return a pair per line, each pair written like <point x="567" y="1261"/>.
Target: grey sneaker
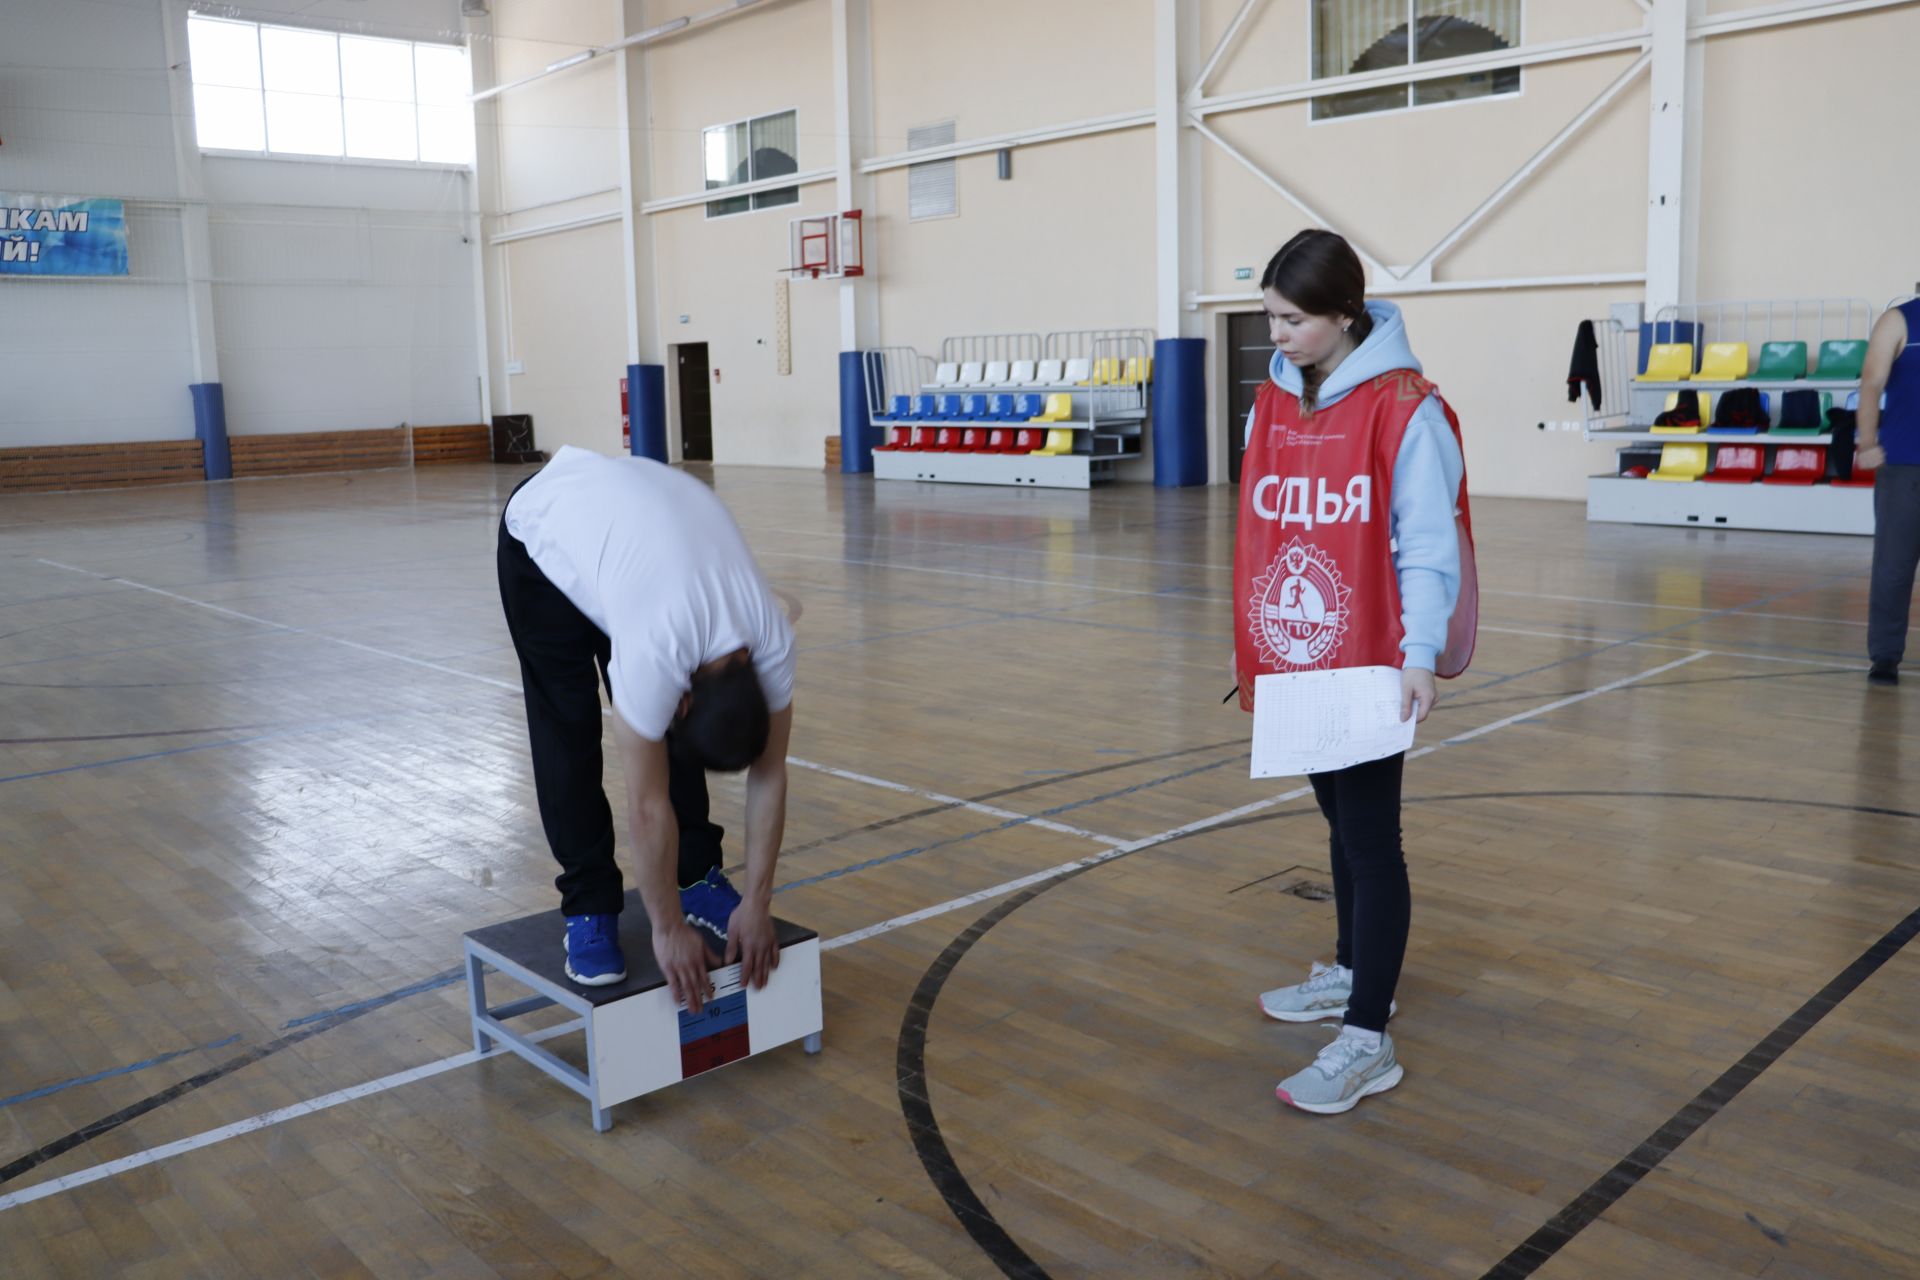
<point x="1323" y="995"/>
<point x="1343" y="1074"/>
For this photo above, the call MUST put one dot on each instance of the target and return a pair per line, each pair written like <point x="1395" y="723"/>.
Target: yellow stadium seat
<point x="1059" y="408"/>
<point x="1723" y="362"/>
<point x="1668" y="362"/>
<point x="1106" y="371"/>
<point x="1059" y="441"/>
<point x="1706" y="415"/>
<point x="1681" y="462"/>
<point x="1139" y="369"/>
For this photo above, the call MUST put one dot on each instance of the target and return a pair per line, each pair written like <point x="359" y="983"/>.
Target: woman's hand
<point x="1417" y="693"/>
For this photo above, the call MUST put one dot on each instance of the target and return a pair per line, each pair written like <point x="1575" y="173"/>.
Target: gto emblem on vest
<point x="1299" y="608"/>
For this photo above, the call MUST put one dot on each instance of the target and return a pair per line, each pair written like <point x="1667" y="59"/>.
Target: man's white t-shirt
<point x="654" y="560"/>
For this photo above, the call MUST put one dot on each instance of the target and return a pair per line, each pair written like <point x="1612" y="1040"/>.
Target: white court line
<point x="1609" y="687"/>
<point x="1676" y="648"/>
<point x="882" y="783"/>
<point x="284" y="626"/>
<point x="1133" y="846"/>
<point x="1018" y="549"/>
<point x="957" y="801"/>
<point x="266" y="1119"/>
<point x="963" y="573"/>
<point x="1676" y="608"/>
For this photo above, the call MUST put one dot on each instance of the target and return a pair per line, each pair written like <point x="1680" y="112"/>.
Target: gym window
<point x="295" y="92"/>
<point x="750" y="151"/>
<point x="1352" y="36"/>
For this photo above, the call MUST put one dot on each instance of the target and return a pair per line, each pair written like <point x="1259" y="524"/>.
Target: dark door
<point x="696" y="404"/>
<point x="1249" y="350"/>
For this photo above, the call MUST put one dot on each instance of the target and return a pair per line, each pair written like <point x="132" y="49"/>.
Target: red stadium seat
<point x="1736" y="464"/>
<point x="1797" y="464"/>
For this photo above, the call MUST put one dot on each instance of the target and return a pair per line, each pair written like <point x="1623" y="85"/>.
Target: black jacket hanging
<point x="1585" y="367"/>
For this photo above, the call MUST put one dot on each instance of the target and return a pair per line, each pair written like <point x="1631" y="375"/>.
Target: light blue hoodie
<point x="1426" y="478"/>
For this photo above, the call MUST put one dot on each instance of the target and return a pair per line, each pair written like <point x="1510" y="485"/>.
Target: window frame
<point x="344" y="158"/>
<point x="717" y="194"/>
<point x="1409" y="104"/>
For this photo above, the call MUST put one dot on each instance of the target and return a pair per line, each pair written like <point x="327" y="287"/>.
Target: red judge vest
<point x="1313" y="578"/>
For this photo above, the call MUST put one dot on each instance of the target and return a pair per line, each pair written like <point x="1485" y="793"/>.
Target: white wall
<point x="84" y="111"/>
<point x="343" y="294"/>
<point x="1070" y="241"/>
<point x="560" y="313"/>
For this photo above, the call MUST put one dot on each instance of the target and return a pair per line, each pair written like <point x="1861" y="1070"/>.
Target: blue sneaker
<point x="593" y="950"/>
<point x="710" y="903"/>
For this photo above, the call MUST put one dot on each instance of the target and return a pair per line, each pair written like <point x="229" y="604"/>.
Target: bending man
<point x="629" y="572"/>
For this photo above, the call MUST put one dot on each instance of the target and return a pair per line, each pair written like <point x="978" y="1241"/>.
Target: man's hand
<point x="751" y="941"/>
<point x="1871" y="458"/>
<point x="683" y="962"/>
<point x="1417" y="693"/>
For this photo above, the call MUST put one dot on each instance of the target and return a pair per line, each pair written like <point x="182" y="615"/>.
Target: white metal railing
<point x="894" y="371"/>
<point x="1079" y="344"/>
<point x="989" y="348"/>
<point x="1111" y="397"/>
<point x="1618" y="355"/>
<point x="1757" y="320"/>
<point x="1108" y="404"/>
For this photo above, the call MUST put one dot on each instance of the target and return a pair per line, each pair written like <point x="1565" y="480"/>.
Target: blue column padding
<point x="647" y="411"/>
<point x="1667" y="331"/>
<point x="210" y="428"/>
<point x="856" y="423"/>
<point x="1179" y="412"/>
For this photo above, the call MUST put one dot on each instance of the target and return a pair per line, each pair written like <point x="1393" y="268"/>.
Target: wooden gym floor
<point x="264" y="762"/>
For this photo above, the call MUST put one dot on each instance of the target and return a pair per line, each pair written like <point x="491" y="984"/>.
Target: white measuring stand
<point x="638" y="1038"/>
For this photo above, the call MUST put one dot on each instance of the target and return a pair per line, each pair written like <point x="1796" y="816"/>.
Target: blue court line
<point x="46" y="1089"/>
<point x="101" y="653"/>
<point x="146" y="755"/>
<point x="438" y="980"/>
<point x="288" y="732"/>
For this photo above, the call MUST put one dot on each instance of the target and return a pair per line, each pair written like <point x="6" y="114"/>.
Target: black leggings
<point x="563" y="660"/>
<point x="1370" y="893"/>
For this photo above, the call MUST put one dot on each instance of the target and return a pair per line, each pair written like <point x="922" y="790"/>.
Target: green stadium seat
<point x="1843" y="358"/>
<point x="1781" y="362"/>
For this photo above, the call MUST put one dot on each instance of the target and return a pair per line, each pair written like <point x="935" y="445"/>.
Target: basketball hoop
<point x="830" y="245"/>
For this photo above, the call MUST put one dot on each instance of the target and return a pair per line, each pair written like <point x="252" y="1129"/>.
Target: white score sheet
<point x="1315" y="721"/>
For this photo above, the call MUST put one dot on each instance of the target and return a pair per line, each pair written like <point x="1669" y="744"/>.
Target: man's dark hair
<point x="725" y="728"/>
